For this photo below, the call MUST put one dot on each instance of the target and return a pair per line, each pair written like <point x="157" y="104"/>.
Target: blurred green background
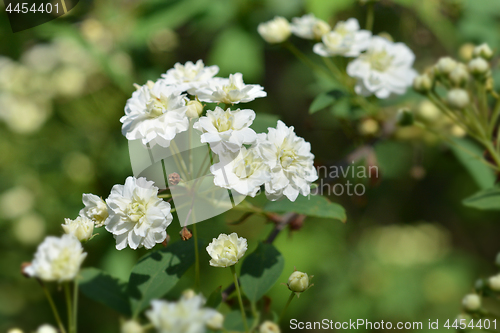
<point x="409" y="250"/>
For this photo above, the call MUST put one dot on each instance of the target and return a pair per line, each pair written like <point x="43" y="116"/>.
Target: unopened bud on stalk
<point x="466" y="51"/>
<point x="458" y="98"/>
<point x="459" y="76"/>
<point x="423" y="83"/>
<point x="269" y="327"/>
<point x="131" y="326"/>
<point x="483" y="51"/>
<point x="445" y="65"/>
<point x="368" y="126"/>
<point x="195" y="109"/>
<point x="478" y="67"/>
<point x="472" y="302"/>
<point x="46" y="329"/>
<point x="494" y="282"/>
<point x="216" y="322"/>
<point x="320" y="28"/>
<point x="15" y="330"/>
<point x="298" y="282"/>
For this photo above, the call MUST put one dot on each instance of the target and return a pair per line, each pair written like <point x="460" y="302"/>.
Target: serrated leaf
<point x="324" y="100"/>
<point x="157" y="273"/>
<point x="103" y="288"/>
<point x="314" y="205"/>
<point x="470" y="156"/>
<point x="260" y="271"/>
<point x="215" y="298"/>
<point x="485" y="200"/>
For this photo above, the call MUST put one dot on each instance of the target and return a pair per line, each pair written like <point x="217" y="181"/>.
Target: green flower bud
<point x="494" y="282"/>
<point x="483" y="51"/>
<point x="298" y="282"/>
<point x="131" y="326"/>
<point x="445" y="65"/>
<point x="472" y="302"/>
<point x="458" y="98"/>
<point x="215" y="323"/>
<point x="423" y="83"/>
<point x="269" y="327"/>
<point x="194" y="110"/>
<point x="459" y="76"/>
<point x="479" y="67"/>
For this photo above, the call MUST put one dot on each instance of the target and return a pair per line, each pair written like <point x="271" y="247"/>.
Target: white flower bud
<point x="15" y="330"/>
<point x="216" y="321"/>
<point x="275" y="31"/>
<point x="483" y="51"/>
<point x="458" y="98"/>
<point x="320" y="28"/>
<point x="445" y="65"/>
<point x="269" y="327"/>
<point x="466" y="51"/>
<point x="188" y="294"/>
<point x="428" y="111"/>
<point x="82" y="227"/>
<point x="46" y="329"/>
<point x="494" y="282"/>
<point x="368" y="126"/>
<point x="131" y="326"/>
<point x="478" y="66"/>
<point x="298" y="282"/>
<point x="194" y="110"/>
<point x="423" y="83"/>
<point x="459" y="76"/>
<point x="472" y="302"/>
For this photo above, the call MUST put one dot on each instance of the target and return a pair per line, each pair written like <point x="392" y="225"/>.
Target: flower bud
<point x="458" y="98"/>
<point x="188" y="294"/>
<point x="459" y="76"/>
<point x="445" y="65"/>
<point x="131" y="326"/>
<point x="298" y="282"/>
<point x="82" y="227"/>
<point x="428" y="111"/>
<point x="472" y="302"/>
<point x="483" y="51"/>
<point x="46" y="329"/>
<point x="269" y="327"/>
<point x="15" y="330"/>
<point x="195" y="109"/>
<point x="478" y="67"/>
<point x="216" y="322"/>
<point x="423" y="83"/>
<point x="466" y="51"/>
<point x="368" y="126"/>
<point x="494" y="282"/>
<point x="320" y="28"/>
<point x="275" y="31"/>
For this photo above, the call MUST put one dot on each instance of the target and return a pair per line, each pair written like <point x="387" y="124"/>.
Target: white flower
<point x="309" y="27"/>
<point x="155" y="114"/>
<point x="275" y="31"/>
<point x="95" y="209"/>
<point x="345" y="39"/>
<point x="185" y="316"/>
<point x="46" y="329"/>
<point x="82" y="227"/>
<point x="57" y="259"/>
<point x="228" y="91"/>
<point x="472" y="302"/>
<point x="290" y="160"/>
<point x="226" y="131"/>
<point x="269" y="327"/>
<point x="137" y="217"/>
<point x="383" y="69"/>
<point x="244" y="173"/>
<point x="226" y="250"/>
<point x="190" y="75"/>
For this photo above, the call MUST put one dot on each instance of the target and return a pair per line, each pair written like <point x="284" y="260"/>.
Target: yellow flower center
<point x="135" y="211"/>
<point x="379" y="60"/>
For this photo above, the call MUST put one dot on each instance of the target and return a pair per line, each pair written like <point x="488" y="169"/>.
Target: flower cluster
<point x="380" y="66"/>
<point x="279" y="160"/>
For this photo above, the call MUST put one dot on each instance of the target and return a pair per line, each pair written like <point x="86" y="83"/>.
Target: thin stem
<point x="183" y="164"/>
<point x="370" y="16"/>
<point x="256" y="316"/>
<point x="337" y="74"/>
<point x="196" y="259"/>
<point x="67" y="292"/>
<point x="292" y="295"/>
<point x="75" y="306"/>
<point x="494" y="118"/>
<point x="240" y="300"/>
<point x="53" y="307"/>
<point x="305" y="60"/>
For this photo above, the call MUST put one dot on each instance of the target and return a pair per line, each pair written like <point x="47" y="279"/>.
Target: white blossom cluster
<point x="279" y="160"/>
<point x="380" y="67"/>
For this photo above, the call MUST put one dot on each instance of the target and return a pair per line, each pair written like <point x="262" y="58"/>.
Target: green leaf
<point x="341" y="109"/>
<point x="215" y="298"/>
<point x="156" y="273"/>
<point x="394" y="158"/>
<point x="260" y="271"/>
<point x="470" y="155"/>
<point x="324" y="100"/>
<point x="314" y="205"/>
<point x="485" y="200"/>
<point x="233" y="322"/>
<point x="103" y="288"/>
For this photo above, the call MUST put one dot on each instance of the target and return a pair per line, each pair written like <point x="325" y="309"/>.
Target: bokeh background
<point x="409" y="250"/>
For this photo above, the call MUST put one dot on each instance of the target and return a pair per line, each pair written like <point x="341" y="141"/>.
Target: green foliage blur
<point x="409" y="250"/>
